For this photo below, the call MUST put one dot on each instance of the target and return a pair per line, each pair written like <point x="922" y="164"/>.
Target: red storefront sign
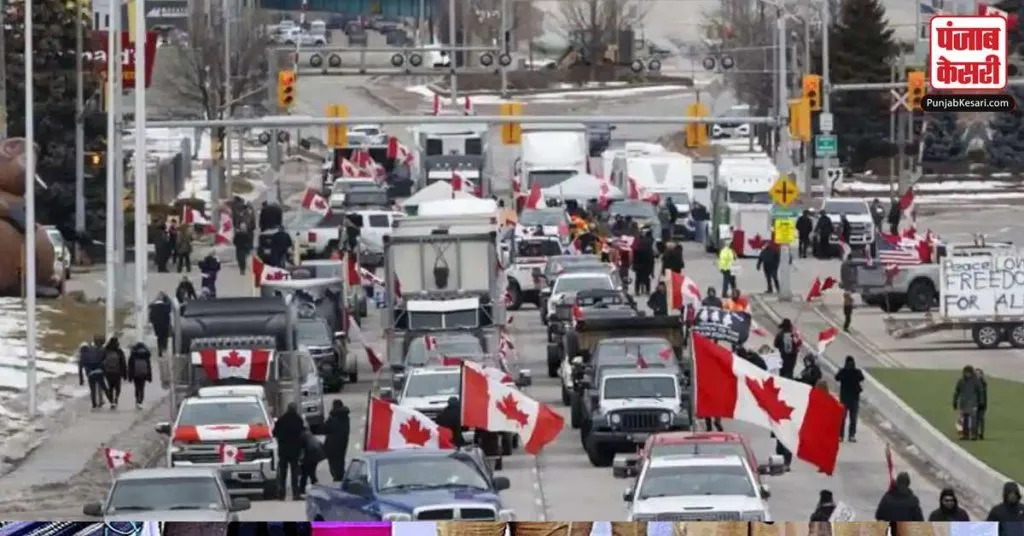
<point x="96" y="56"/>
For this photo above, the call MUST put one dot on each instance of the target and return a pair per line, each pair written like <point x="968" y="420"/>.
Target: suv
<point x="695" y="444"/>
<point x="203" y="424"/>
<point x="858" y="213"/>
<point x="628" y="407"/>
<point x="697" y="488"/>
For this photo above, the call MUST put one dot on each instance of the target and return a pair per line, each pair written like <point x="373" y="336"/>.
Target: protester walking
<point x="1010" y="512"/>
<point x="768" y="262"/>
<point x="183" y="248"/>
<point x="658" y="300"/>
<point x="849" y="379"/>
<point x="823" y="229"/>
<point x="811" y="373"/>
<point x="312" y="455"/>
<point x="90" y="368"/>
<point x="140" y="371"/>
<point x="115" y="370"/>
<point x="967" y="397"/>
<point x="210" y="268"/>
<point x="899" y="503"/>
<point x="788" y="345"/>
<point x="186" y="291"/>
<point x="160" y="319"/>
<point x="288" y="432"/>
<point x="804" y="228"/>
<point x="726" y="259"/>
<point x="338" y="427"/>
<point x="847" y="310"/>
<point x="949" y="508"/>
<point x="243" y="246"/>
<point x="983" y="403"/>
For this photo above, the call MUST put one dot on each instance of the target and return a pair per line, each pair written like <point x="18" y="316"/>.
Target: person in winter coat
<point x="949" y="509"/>
<point x="1010" y="512"/>
<point x="160" y="319"/>
<point x="768" y="261"/>
<point x="849" y="379"/>
<point x="451" y="418"/>
<point x="711" y="298"/>
<point x="983" y="405"/>
<point x="672" y="259"/>
<point x="643" y="264"/>
<point x="847" y="310"/>
<point x="877" y="213"/>
<point x="185" y="291"/>
<point x="183" y="248"/>
<point x="209" y="267"/>
<point x="726" y="259"/>
<point x="243" y="246"/>
<point x="823" y="236"/>
<point x="90" y="368"/>
<point x="115" y="370"/>
<point x="826" y="505"/>
<point x="804" y="228"/>
<point x="895" y="214"/>
<point x="899" y="503"/>
<point x="658" y="301"/>
<point x="788" y="345"/>
<point x="140" y="371"/>
<point x="967" y="397"/>
<point x="288" y="431"/>
<point x="811" y="372"/>
<point x="336" y="438"/>
<point x="312" y="455"/>
<point x="845" y="229"/>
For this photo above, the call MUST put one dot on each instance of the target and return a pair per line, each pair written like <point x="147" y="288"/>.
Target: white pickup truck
<point x="526" y="260"/>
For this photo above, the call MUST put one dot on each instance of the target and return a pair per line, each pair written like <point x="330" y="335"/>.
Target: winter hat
<point x="824" y="496"/>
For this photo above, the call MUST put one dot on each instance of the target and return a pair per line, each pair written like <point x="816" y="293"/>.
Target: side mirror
<point x="765" y="492"/>
<point x="387" y="394"/>
<point x="93" y="509"/>
<point x="398" y="381"/>
<point x="524" y="379"/>
<point x="501" y="483"/>
<point x="163" y="428"/>
<point x="339" y="335"/>
<point x="628" y="495"/>
<point x="240" y="504"/>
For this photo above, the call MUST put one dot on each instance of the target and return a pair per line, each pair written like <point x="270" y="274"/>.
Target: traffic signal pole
<point x="783" y="160"/>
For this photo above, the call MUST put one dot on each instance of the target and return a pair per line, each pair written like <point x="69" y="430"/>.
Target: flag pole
<point x="366" y="422"/>
<point x="30" y="215"/>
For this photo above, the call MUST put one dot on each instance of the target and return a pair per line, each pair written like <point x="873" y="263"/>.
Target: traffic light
<point x="800" y="119"/>
<point x="812" y="91"/>
<point x="915" y="89"/>
<point x="337" y="135"/>
<point x="696" y="133"/>
<point x="511" y="132"/>
<point x="285" y="89"/>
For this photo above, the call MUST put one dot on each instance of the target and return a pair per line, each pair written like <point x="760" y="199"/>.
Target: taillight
<point x="311" y="236"/>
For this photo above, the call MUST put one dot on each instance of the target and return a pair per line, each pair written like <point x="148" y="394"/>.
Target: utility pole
<point x="419" y="23"/>
<point x="111" y="219"/>
<point x="782" y="157"/>
<point x="453" y="83"/>
<point x="825" y="118"/>
<point x="228" y="104"/>
<point x="79" y="121"/>
<point x="118" y="60"/>
<point x="141" y="187"/>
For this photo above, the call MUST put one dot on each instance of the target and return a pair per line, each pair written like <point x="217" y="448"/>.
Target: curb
<point x="976" y="483"/>
<point x="382" y="101"/>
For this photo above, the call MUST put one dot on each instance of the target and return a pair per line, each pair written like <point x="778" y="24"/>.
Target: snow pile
<point x="196" y="185"/>
<point x="928" y="188"/>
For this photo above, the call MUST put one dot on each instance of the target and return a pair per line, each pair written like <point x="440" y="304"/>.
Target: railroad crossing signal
<point x="916" y="85"/>
<point x="511" y="132"/>
<point x="337" y="135"/>
<point x="812" y="91"/>
<point x="800" y="119"/>
<point x="286" y="89"/>
<point x="696" y="133"/>
<point x="784" y="191"/>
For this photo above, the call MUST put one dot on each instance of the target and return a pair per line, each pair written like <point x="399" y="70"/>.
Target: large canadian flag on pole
<point x="807" y="420"/>
<point x="491" y="405"/>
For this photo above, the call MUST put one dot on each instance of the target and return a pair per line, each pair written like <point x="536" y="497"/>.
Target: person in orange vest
<point x="736" y="302"/>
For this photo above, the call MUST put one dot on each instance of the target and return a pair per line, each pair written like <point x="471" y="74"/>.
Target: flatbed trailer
<point x="986" y="332"/>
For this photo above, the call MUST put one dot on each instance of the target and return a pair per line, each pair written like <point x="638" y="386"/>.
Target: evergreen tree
<point x="54" y="27"/>
<point x="1006" y="140"/>
<point x="944" y="138"/>
<point x="862" y="50"/>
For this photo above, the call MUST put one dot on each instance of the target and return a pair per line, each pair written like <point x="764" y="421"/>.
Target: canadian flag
<point x="347" y="168"/>
<point x="356" y="334"/>
<point x="604" y="195"/>
<point x="906" y="203"/>
<point x="467" y="106"/>
<point x="191" y="216"/>
<point x="390" y="427"/>
<point x="229" y="454"/>
<point x="681" y="290"/>
<point x="116" y="458"/>
<point x="534" y="198"/>
<point x="805" y="419"/>
<point x="490" y="405"/>
<point x="226" y="234"/>
<point x="430" y="343"/>
<point x="820" y="286"/>
<point x="405" y="156"/>
<point x="636" y="192"/>
<point x="825" y="338"/>
<point x="261" y="273"/>
<point x="312" y="200"/>
<point x="437" y="104"/>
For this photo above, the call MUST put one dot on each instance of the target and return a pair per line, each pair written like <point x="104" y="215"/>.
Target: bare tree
<point x="593" y="25"/>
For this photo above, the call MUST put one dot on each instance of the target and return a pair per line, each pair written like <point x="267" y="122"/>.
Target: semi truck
<point x="980" y="290"/>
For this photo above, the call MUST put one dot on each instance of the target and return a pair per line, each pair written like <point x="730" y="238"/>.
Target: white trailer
<point x="982" y="292"/>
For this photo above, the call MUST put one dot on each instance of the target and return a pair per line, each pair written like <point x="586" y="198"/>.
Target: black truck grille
<point x="457" y="513"/>
<point x="641" y="420"/>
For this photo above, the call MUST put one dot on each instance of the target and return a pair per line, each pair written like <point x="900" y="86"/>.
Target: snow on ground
<point x="615" y="91"/>
<point x="927" y="187"/>
<point x="168" y="139"/>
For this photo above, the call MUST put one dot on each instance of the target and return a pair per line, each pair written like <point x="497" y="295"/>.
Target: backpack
<point x="112" y="363"/>
<point x="140" y="368"/>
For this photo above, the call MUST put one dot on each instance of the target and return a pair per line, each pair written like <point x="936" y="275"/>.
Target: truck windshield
<point x="750" y="198"/>
<point x="653" y="351"/>
<point x="419" y="385"/>
<point x="576" y="284"/>
<point x="193" y="493"/>
<point x="366" y="197"/>
<point x="462" y="345"/>
<point x="428" y="472"/>
<point x="845" y="207"/>
<point x="239" y="412"/>
<point x="689" y="480"/>
<point x="538" y="248"/>
<point x="313" y="332"/>
<point x="703" y="448"/>
<point x="545" y="217"/>
<point x="451" y="319"/>
<point x="547" y="178"/>
<point x="640" y="387"/>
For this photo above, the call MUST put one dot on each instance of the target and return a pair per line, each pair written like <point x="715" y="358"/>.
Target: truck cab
<point x="551" y="154"/>
<point x="741" y="208"/>
<point x="469" y="169"/>
<point x="858" y="213"/>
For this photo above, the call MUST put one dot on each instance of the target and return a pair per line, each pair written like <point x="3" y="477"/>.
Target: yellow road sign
<point x="784" y="191"/>
<point x="785" y="230"/>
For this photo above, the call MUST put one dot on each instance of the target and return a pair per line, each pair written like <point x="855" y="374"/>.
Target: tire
<point x="516" y="294"/>
<point x="872" y="300"/>
<point x="920" y="296"/>
<point x="892" y="303"/>
<point x="1015" y="335"/>
<point x="353" y="376"/>
<point x="566" y="398"/>
<point x="270" y="491"/>
<point x="599" y="455"/>
<point x="575" y="411"/>
<point x="987" y="336"/>
<point x="554" y="360"/>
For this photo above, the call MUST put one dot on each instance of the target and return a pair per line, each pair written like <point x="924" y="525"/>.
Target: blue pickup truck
<point x="410" y="485"/>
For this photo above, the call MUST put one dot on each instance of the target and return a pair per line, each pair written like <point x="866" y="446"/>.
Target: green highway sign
<point x="826" y="145"/>
<point x="781" y="212"/>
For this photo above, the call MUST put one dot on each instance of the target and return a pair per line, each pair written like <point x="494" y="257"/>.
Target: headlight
<point x="176" y="448"/>
<point x="397" y="516"/>
<point x="506" y="515"/>
<point x="267" y="446"/>
<point x="665" y="417"/>
<point x="615" y="418"/>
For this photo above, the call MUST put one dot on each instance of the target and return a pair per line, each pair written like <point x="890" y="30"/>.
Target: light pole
<point x="141" y="186"/>
<point x="79" y="121"/>
<point x="30" y="217"/>
<point x="112" y="134"/>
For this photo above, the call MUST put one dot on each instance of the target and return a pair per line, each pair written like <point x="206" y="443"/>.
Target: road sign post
<point x="784" y="193"/>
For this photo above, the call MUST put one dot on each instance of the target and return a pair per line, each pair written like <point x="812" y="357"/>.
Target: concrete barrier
<point x="976" y="482"/>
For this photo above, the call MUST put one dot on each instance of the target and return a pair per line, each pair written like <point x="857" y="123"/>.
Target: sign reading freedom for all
<point x="96" y="56"/>
<point x="986" y="285"/>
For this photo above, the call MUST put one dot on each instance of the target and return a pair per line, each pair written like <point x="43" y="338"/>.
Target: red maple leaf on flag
<point x="276" y="276"/>
<point x="319" y="203"/>
<point x="414" y="432"/>
<point x="665" y="354"/>
<point x="233" y="359"/>
<point x="509" y="407"/>
<point x="767" y="396"/>
<point x="757" y="242"/>
<point x="829" y="283"/>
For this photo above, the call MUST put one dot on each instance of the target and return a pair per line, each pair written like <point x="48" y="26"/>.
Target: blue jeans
<point x="728" y="281"/>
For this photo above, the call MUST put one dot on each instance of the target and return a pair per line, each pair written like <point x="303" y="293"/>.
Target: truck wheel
<point x="270" y="491"/>
<point x="599" y="455"/>
<point x="873" y="300"/>
<point x="353" y="376"/>
<point x="1016" y="336"/>
<point x="554" y="359"/>
<point x="515" y="295"/>
<point x="920" y="296"/>
<point x="986" y="336"/>
<point x="566" y="398"/>
<point x="575" y="411"/>
<point x="892" y="303"/>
